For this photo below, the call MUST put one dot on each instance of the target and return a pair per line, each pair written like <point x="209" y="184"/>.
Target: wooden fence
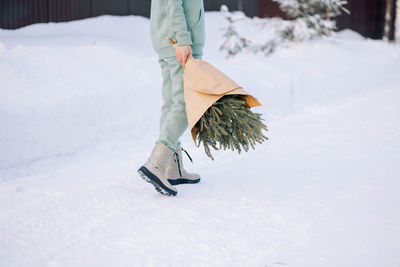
<point x="18" y="13"/>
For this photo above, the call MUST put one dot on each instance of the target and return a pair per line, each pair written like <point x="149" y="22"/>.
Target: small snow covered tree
<point x="327" y="9"/>
<point x="308" y="19"/>
<point x="311" y="18"/>
<point x="233" y="42"/>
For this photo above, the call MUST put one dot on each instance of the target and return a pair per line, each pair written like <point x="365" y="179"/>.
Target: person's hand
<point x="182" y="53"/>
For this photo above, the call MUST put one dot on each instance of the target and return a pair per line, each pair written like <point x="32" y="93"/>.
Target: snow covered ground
<point x="79" y="109"/>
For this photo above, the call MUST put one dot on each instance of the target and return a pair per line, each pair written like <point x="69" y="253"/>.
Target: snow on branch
<point x="308" y="19"/>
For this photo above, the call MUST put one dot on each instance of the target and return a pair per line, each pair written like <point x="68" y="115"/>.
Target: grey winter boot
<point x="176" y="174"/>
<point x="154" y="170"/>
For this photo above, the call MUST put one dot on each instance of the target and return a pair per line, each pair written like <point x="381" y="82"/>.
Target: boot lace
<point x="187" y="154"/>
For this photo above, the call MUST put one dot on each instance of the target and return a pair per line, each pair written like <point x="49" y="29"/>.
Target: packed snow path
<point x="79" y="109"/>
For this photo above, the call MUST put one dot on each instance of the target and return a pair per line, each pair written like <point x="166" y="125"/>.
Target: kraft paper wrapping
<point x="204" y="85"/>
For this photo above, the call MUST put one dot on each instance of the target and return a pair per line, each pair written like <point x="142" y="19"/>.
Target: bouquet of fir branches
<point x="230" y="124"/>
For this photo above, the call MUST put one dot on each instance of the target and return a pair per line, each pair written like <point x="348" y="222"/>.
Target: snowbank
<point x="79" y="109"/>
<point x="67" y="86"/>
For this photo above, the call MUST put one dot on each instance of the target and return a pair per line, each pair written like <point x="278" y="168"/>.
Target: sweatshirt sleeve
<point x="177" y="21"/>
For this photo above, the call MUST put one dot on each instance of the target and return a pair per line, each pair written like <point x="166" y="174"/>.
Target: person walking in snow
<point x="182" y="21"/>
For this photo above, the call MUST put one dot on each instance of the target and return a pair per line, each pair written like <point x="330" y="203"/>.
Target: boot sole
<point x="158" y="185"/>
<point x="182" y="181"/>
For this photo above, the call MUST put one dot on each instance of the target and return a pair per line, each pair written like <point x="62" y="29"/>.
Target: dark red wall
<point x="268" y="8"/>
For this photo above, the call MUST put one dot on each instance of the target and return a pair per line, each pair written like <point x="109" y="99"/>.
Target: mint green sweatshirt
<point x="182" y="20"/>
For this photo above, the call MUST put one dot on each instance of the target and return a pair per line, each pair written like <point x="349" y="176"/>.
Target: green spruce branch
<point x="230" y="124"/>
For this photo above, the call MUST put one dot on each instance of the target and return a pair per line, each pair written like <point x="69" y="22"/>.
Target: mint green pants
<point x="173" y="121"/>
